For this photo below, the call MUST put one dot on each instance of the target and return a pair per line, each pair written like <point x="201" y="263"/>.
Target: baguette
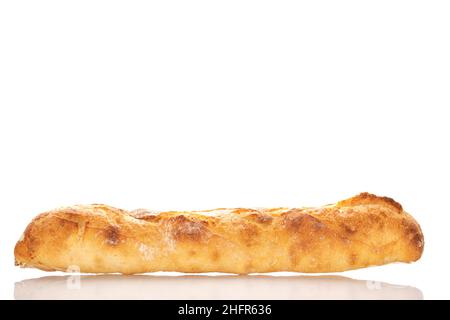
<point x="358" y="232"/>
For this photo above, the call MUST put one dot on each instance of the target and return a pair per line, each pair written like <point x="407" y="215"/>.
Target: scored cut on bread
<point x="358" y="232"/>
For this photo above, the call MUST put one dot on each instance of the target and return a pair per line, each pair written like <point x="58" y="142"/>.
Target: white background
<point x="203" y="104"/>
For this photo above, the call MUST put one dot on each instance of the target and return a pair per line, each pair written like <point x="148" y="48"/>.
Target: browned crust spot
<point x="150" y="218"/>
<point x="368" y="198"/>
<point x="112" y="235"/>
<point x="348" y="228"/>
<point x="248" y="233"/>
<point x="261" y="218"/>
<point x="184" y="228"/>
<point x="414" y="234"/>
<point x="294" y="219"/>
<point x="418" y="241"/>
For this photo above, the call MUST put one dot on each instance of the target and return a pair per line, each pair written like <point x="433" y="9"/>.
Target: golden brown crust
<point x="358" y="232"/>
<point x="368" y="198"/>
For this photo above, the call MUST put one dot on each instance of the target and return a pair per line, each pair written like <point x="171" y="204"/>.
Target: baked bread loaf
<point x="358" y="232"/>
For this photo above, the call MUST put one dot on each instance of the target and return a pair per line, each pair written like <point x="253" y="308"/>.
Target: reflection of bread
<point x="206" y="287"/>
<point x="358" y="232"/>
